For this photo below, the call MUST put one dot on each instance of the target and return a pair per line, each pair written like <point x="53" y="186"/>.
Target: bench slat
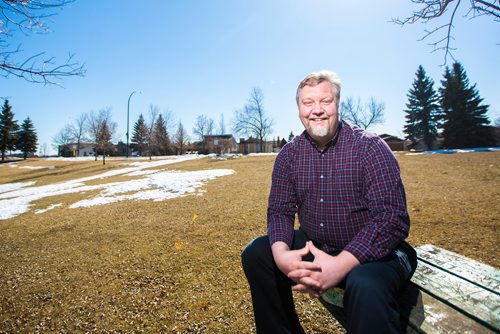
<point x="483" y="274"/>
<point x="474" y="300"/>
<point x="431" y="316"/>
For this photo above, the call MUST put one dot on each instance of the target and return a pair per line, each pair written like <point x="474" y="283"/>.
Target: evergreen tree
<point x="160" y="139"/>
<point x="465" y="120"/>
<point x="282" y="142"/>
<point x="27" y="139"/>
<point x="8" y="129"/>
<point x="140" y="135"/>
<point x="291" y="136"/>
<point x="422" y="115"/>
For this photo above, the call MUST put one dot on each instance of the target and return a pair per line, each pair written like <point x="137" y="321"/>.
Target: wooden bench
<point x="452" y="294"/>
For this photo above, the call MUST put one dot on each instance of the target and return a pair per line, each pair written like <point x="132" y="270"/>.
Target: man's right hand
<point x="289" y="260"/>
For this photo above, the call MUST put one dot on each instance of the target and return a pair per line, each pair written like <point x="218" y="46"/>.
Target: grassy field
<point x="144" y="266"/>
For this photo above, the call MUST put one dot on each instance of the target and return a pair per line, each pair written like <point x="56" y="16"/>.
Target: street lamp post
<point x="128" y="113"/>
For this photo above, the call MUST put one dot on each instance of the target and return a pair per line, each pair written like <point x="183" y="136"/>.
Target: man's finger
<point x="309" y="265"/>
<point x="304" y="251"/>
<point x="299" y="288"/>
<point x="302" y="288"/>
<point x="298" y="273"/>
<point x="310" y="282"/>
<point x="312" y="249"/>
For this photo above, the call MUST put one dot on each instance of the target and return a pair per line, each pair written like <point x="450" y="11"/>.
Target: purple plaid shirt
<point x="348" y="197"/>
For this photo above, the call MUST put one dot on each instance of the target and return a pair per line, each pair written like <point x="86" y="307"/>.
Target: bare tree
<point x="102" y="128"/>
<point x="78" y="131"/>
<point x="169" y="118"/>
<point x="200" y="128"/>
<point x="252" y="119"/>
<point x="210" y="126"/>
<point x="153" y="115"/>
<point x="222" y="125"/>
<point x="362" y="115"/>
<point x="430" y="10"/>
<point x="181" y="139"/>
<point x="43" y="150"/>
<point x="30" y="16"/>
<point x="62" y="140"/>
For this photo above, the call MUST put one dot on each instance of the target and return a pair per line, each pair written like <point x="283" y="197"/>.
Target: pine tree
<point x="422" y="115"/>
<point x="27" y="139"/>
<point x="8" y="129"/>
<point x="465" y="120"/>
<point x="140" y="135"/>
<point x="160" y="139"/>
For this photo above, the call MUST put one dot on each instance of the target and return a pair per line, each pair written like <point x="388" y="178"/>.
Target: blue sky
<point x="204" y="57"/>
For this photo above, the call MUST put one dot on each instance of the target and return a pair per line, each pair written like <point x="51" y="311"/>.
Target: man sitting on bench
<point x="345" y="186"/>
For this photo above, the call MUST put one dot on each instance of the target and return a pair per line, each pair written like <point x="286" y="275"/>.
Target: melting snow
<point x="156" y="185"/>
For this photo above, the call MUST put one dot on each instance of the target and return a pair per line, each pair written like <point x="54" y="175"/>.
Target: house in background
<point x="219" y="144"/>
<point x="70" y="150"/>
<point x="395" y="143"/>
<point x="253" y="145"/>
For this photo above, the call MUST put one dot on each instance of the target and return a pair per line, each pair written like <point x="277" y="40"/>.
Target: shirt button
<point x="321" y="177"/>
<point x="321" y="200"/>
<point x="321" y="224"/>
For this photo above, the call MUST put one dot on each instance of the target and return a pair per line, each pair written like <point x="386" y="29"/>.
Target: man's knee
<point x="372" y="281"/>
<point x="255" y="252"/>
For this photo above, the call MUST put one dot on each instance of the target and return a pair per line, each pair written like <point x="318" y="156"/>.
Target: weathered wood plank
<point x="434" y="317"/>
<point x="475" y="271"/>
<point x="474" y="300"/>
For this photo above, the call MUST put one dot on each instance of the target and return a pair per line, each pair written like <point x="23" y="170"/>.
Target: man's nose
<point x="317" y="109"/>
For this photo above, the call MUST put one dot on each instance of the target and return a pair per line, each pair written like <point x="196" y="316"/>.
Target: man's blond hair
<point x="315" y="78"/>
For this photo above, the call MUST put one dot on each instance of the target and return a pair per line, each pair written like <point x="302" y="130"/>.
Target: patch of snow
<point x="14" y="186"/>
<point x="156" y="185"/>
<point x="37" y="167"/>
<point x="50" y="207"/>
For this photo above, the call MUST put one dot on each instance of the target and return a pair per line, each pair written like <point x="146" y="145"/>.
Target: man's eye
<point x="307" y="103"/>
<point x="328" y="101"/>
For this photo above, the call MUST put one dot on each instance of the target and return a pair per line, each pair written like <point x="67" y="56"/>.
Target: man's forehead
<point x="319" y="89"/>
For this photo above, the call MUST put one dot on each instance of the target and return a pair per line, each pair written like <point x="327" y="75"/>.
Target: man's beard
<point x="318" y="131"/>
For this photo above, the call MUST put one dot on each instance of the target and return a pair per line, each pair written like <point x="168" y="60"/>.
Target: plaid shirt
<point x="348" y="197"/>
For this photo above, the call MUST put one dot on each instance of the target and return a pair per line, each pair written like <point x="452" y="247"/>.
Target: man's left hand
<point x="333" y="270"/>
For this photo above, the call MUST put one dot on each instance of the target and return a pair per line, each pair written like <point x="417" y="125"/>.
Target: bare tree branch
<point x="433" y="9"/>
<point x="253" y="119"/>
<point x="364" y="116"/>
<point x="29" y="16"/>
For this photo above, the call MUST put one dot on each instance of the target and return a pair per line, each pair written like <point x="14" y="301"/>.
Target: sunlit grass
<point x="143" y="266"/>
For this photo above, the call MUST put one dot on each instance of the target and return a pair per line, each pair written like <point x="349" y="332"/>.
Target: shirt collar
<point x="329" y="144"/>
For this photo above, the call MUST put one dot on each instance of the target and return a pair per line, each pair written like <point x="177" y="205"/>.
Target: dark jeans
<point x="371" y="297"/>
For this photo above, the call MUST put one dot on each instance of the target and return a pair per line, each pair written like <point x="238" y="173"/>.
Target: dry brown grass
<point x="148" y="267"/>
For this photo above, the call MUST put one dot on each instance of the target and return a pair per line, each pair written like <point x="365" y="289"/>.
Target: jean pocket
<point x="407" y="258"/>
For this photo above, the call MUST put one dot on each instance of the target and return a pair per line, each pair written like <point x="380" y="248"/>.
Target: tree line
<point x="456" y="109"/>
<point x="454" y="112"/>
<point x="157" y="135"/>
<point x="153" y="135"/>
<point x="14" y="136"/>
